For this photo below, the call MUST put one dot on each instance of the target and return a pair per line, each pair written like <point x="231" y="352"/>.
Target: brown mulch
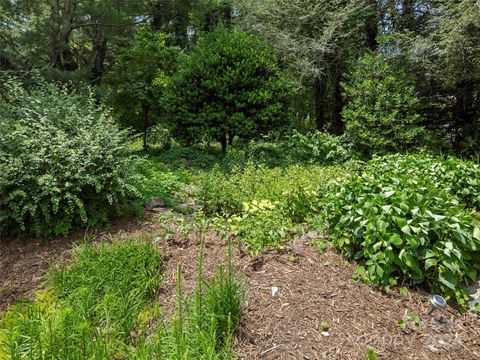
<point x="313" y="287"/>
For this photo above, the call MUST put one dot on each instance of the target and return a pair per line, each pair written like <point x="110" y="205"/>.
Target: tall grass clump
<point x="204" y="328"/>
<point x="97" y="306"/>
<point x="63" y="162"/>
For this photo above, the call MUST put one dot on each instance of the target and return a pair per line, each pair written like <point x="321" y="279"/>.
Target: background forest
<point x="388" y="75"/>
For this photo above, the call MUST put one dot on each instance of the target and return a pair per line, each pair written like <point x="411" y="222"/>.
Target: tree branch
<point x="80" y="25"/>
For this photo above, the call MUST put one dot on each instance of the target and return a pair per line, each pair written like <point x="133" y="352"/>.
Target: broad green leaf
<point x="396" y="240"/>
<point x="401" y="222"/>
<point x="406" y="229"/>
<point x="429" y="263"/>
<point x="476" y="233"/>
<point x="448" y="279"/>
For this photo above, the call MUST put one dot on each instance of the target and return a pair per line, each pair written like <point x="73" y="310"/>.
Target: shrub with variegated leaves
<point x="63" y="162"/>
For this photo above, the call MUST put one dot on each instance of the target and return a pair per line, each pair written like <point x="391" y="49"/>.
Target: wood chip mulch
<point x="313" y="287"/>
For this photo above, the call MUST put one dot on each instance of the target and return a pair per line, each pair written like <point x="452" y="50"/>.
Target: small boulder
<point x="154" y="203"/>
<point x="188" y="207"/>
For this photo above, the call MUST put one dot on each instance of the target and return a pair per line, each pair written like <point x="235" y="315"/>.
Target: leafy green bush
<point x="261" y="225"/>
<point x="381" y="113"/>
<point x="458" y="177"/>
<point x="63" y="162"/>
<point x="406" y="219"/>
<point x="95" y="308"/>
<point x="154" y="180"/>
<point x="229" y="86"/>
<point x="317" y="148"/>
<point x="297" y="189"/>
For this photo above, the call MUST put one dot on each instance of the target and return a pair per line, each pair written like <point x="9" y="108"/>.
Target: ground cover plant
<point x="291" y="149"/>
<point x="408" y="219"/>
<point x="97" y="307"/>
<point x="153" y="179"/>
<point x="263" y="204"/>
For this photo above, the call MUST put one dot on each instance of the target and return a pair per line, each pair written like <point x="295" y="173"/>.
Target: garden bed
<point x="313" y="287"/>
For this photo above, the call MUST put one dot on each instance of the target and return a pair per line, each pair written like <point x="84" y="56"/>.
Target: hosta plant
<point x="403" y="220"/>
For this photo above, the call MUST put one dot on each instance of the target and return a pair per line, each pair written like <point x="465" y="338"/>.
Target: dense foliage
<point x="316" y="148"/>
<point x="381" y="113"/>
<point x="139" y="77"/>
<point x="63" y="162"/>
<point x="229" y="86"/>
<point x="432" y="44"/>
<point x="408" y="218"/>
<point x="263" y="205"/>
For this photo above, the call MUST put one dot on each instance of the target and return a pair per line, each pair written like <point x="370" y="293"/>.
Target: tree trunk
<point x="320" y="93"/>
<point x="99" y="44"/>
<point x="338" y="126"/>
<point x="464" y="109"/>
<point x="146" y="125"/>
<point x="371" y="27"/>
<point x="227" y="11"/>
<point x="408" y="16"/>
<point x="223" y="142"/>
<point x="61" y="20"/>
<point x="231" y="136"/>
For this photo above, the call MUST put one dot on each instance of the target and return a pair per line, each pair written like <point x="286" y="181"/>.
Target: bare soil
<point x="313" y="287"/>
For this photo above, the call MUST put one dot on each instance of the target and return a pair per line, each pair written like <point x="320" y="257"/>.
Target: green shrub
<point x="406" y="219"/>
<point x="154" y="180"/>
<point x="138" y="78"/>
<point x="312" y="148"/>
<point x="63" y="163"/>
<point x="297" y="189"/>
<point x="317" y="148"/>
<point x="381" y="112"/>
<point x="458" y="177"/>
<point x="261" y="225"/>
<point x="194" y="157"/>
<point x="97" y="307"/>
<point x="230" y="86"/>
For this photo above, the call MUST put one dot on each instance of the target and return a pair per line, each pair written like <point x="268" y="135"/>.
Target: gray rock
<point x="474" y="295"/>
<point x="188" y="207"/>
<point x="154" y="203"/>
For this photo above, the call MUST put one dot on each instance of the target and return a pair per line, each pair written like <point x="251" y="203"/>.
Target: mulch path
<point x="313" y="287"/>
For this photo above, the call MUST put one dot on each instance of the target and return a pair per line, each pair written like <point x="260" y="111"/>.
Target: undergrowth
<point x="262" y="205"/>
<point x="101" y="306"/>
<point x="91" y="309"/>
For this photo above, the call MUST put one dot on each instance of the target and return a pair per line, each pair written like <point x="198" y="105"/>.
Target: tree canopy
<point x="230" y="86"/>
